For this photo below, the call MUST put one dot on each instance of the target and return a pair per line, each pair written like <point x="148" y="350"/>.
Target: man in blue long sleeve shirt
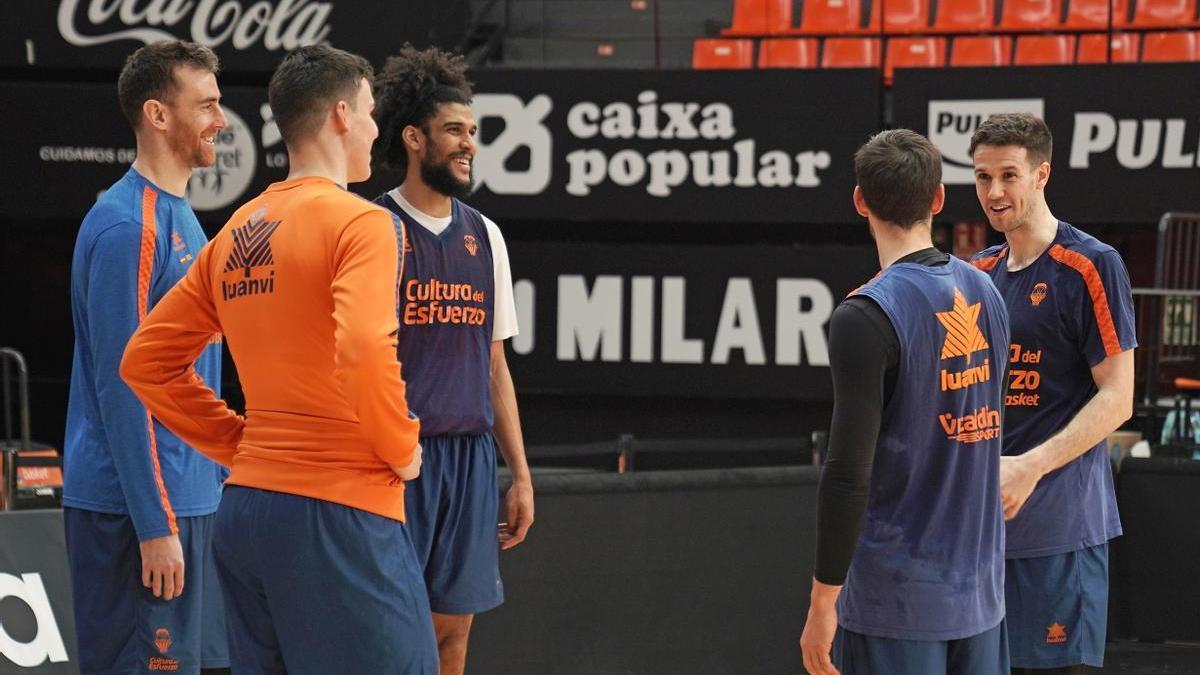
<point x="138" y="502"/>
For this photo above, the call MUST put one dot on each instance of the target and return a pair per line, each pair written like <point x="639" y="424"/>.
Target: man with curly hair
<point x="456" y="312"/>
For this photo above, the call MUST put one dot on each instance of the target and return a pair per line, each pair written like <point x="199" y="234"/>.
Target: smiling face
<point x="1009" y="187"/>
<point x="195" y="116"/>
<point x="448" y="152"/>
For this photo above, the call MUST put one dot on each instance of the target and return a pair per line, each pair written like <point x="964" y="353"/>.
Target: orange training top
<point x="302" y="281"/>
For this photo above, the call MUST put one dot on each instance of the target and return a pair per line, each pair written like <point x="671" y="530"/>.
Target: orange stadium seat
<point x="920" y="52"/>
<point x="1044" y="50"/>
<point x="850" y="53"/>
<point x="903" y="16"/>
<point x="760" y="17"/>
<point x="1093" y="14"/>
<point x="716" y="54"/>
<point x="965" y="16"/>
<point x="1164" y="13"/>
<point x="1093" y="48"/>
<point x="1031" y="14"/>
<point x="831" y="16"/>
<point x="981" y="51"/>
<point x="1160" y="47"/>
<point x="788" y="53"/>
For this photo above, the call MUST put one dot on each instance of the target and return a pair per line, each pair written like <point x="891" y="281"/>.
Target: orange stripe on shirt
<point x="1091" y="277"/>
<point x="145" y="271"/>
<point x="986" y="264"/>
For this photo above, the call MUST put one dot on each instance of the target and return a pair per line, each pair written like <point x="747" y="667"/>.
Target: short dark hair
<point x="149" y="73"/>
<point x="408" y="92"/>
<point x="1019" y="129"/>
<point x="307" y="82"/>
<point x="898" y="173"/>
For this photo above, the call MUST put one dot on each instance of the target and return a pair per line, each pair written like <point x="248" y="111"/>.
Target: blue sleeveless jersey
<point x="1071" y="309"/>
<point x="446" y="312"/>
<point x="929" y="564"/>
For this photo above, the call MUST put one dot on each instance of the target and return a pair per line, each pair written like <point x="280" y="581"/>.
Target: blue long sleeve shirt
<point x="134" y="244"/>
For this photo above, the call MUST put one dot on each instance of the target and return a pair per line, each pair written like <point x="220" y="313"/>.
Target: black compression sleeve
<point x="862" y="348"/>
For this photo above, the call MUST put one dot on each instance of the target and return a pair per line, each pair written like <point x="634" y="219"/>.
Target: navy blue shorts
<point x="313" y="588"/>
<point x="1058" y="608"/>
<point x="982" y="654"/>
<point x="120" y="626"/>
<point x="452" y="511"/>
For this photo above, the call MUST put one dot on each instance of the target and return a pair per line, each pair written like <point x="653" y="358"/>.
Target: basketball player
<point x="138" y="502"/>
<point x="317" y="567"/>
<point x="456" y="312"/>
<point x="915" y="587"/>
<point x="1070" y="385"/>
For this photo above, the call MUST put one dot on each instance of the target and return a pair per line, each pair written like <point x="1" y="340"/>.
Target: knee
<point x="452" y="629"/>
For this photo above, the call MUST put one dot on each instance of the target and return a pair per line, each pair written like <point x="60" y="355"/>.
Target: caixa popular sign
<point x="248" y="35"/>
<point x="37" y="630"/>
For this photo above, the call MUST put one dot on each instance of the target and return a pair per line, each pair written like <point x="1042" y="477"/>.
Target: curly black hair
<point x="408" y="91"/>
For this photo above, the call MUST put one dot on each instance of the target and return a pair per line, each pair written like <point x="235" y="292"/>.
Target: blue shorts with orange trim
<point x="982" y="654"/>
<point x="120" y="626"/>
<point x="452" y="511"/>
<point x="1058" y="608"/>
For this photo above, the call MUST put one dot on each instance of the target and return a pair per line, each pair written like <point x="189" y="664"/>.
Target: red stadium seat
<point x="981" y="51"/>
<point x="1093" y="48"/>
<point x="760" y="17"/>
<point x="714" y="54"/>
<point x="1164" y="13"/>
<point x="1160" y="47"/>
<point x="1031" y="15"/>
<point x="831" y="16"/>
<point x="922" y="52"/>
<point x="1044" y="50"/>
<point x="903" y="16"/>
<point x="850" y="53"/>
<point x="965" y="16"/>
<point x="788" y="53"/>
<point x="1093" y="14"/>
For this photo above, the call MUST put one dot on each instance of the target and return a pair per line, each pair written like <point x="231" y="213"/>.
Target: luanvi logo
<point x="47" y="642"/>
<point x="952" y="123"/>
<point x="963" y="338"/>
<point x="282" y="25"/>
<point x="251" y="249"/>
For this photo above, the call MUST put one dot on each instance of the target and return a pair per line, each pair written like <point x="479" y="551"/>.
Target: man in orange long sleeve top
<point x="302" y="283"/>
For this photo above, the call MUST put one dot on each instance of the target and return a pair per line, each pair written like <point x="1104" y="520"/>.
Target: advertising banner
<point x="37" y="627"/>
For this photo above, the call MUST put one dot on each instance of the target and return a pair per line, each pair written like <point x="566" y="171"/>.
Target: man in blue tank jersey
<point x="456" y="311"/>
<point x="917" y="356"/>
<point x="139" y="503"/>
<point x="1070" y="384"/>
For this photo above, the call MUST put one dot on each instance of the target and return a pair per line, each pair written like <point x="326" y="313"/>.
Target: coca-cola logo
<point x="284" y="24"/>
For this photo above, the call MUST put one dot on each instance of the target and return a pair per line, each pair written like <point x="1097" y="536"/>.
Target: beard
<point x="186" y="145"/>
<point x="440" y="177"/>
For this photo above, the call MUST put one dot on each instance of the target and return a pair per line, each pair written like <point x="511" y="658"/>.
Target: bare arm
<point x="519" y="501"/>
<point x="1099" y="417"/>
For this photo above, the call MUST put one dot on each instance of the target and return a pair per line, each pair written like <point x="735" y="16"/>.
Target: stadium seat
<point x="903" y="16"/>
<point x="788" y="53"/>
<point x="1031" y="15"/>
<point x="981" y="51"/>
<point x="1093" y="14"/>
<point x="1164" y="47"/>
<point x="760" y="17"/>
<point x="850" y="53"/>
<point x="1044" y="50"/>
<point x="714" y="54"/>
<point x="965" y="16"/>
<point x="1164" y="13"/>
<point x="921" y="52"/>
<point x="1093" y="48"/>
<point x="831" y="16"/>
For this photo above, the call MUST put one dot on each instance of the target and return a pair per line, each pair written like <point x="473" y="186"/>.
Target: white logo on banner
<point x="217" y="186"/>
<point x="285" y="24"/>
<point x="1140" y="142"/>
<point x="48" y="642"/>
<point x="522" y="128"/>
<point x="952" y="123"/>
